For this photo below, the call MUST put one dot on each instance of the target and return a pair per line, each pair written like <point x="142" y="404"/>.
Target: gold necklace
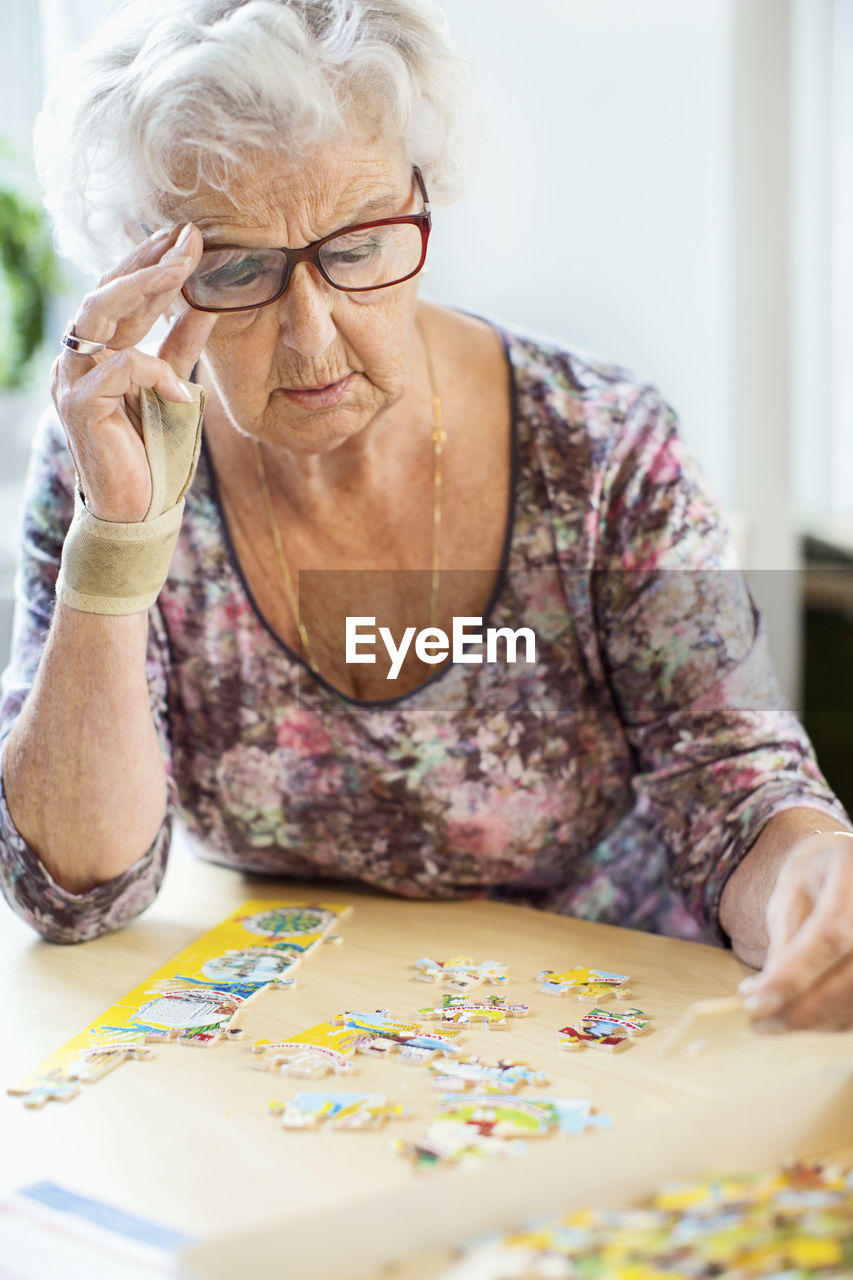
<point x="438" y="437"/>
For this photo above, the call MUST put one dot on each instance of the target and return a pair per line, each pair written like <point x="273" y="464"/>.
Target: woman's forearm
<point x="83" y="773"/>
<point x="744" y="900"/>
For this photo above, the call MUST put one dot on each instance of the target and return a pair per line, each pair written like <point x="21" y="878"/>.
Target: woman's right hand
<point x="97" y="396"/>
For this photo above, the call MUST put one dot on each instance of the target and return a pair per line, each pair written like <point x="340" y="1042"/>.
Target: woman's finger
<point x="185" y="341"/>
<point x="826" y="1005"/>
<point x="144" y="254"/>
<point x="101" y="413"/>
<point x="121" y="311"/>
<point x="789" y="907"/>
<point x="823" y="938"/>
<point x="123" y="373"/>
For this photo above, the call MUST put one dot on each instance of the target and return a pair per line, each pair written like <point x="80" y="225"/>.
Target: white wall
<point x="647" y="144"/>
<point x="19" y="75"/>
<point x="607" y="138"/>
<point x="823" y="158"/>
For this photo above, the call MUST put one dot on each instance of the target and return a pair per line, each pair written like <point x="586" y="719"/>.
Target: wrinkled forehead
<point x="273" y="195"/>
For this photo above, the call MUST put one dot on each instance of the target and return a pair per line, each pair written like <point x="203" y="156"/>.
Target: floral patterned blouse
<point x="621" y="777"/>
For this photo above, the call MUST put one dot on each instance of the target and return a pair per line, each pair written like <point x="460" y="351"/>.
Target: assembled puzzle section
<point x="194" y="998"/>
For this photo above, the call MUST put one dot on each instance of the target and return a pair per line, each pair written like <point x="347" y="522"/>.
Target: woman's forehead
<point x="299" y="201"/>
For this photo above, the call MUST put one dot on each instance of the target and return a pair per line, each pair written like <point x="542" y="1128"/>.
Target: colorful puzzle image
<point x="194" y="998"/>
<point x="461" y="1010"/>
<point x="380" y="1033"/>
<point x="521" y="1117"/>
<point x="469" y="1073"/>
<point x="634" y="1022"/>
<point x="256" y="964"/>
<point x="461" y="973"/>
<point x="789" y="1224"/>
<point x="479" y="1127"/>
<point x="586" y="984"/>
<point x="602" y="1030"/>
<point x="290" y="920"/>
<point x="337" y="1111"/>
<point x="192" y="1011"/>
<point x="582" y="1037"/>
<point x="321" y="1050"/>
<point x="88" y="1064"/>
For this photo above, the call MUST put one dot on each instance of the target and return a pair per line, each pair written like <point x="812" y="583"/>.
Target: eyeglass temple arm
<point x="419" y="177"/>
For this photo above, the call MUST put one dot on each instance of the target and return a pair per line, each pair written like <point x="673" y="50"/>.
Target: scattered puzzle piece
<point x="600" y="1038"/>
<point x="309" y="1110"/>
<point x="633" y="1021"/>
<point x="604" y="1029"/>
<point x="318" y="1051"/>
<point x="59" y="1090"/>
<point x="478" y="1126"/>
<point x="586" y="984"/>
<point x="378" y="1022"/>
<point x="576" y="1115"/>
<point x="380" y="1033"/>
<point x="461" y="973"/>
<point x="522" y="1117"/>
<point x="493" y="1010"/>
<point x="465" y="1074"/>
<point x="451" y="1147"/>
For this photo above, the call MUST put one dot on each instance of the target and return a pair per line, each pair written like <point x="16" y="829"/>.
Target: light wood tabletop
<point x="186" y="1139"/>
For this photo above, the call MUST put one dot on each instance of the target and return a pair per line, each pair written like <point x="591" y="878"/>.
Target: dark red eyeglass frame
<point x="311" y="253"/>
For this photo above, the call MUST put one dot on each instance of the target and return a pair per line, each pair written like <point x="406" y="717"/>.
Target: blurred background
<point x="664" y="183"/>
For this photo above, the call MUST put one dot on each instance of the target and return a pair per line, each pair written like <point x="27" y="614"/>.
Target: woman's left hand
<point x="807" y="979"/>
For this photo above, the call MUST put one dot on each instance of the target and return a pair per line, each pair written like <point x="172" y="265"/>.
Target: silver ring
<point x="80" y="346"/>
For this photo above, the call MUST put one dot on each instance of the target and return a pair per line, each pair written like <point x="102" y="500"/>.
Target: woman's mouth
<point x="324" y="397"/>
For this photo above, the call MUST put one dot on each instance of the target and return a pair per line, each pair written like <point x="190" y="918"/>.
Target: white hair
<point x="172" y="94"/>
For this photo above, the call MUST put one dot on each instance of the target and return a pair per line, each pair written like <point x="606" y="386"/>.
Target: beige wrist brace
<point x="116" y="568"/>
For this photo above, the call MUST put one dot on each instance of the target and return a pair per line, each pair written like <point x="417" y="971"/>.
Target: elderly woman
<point x="372" y="466"/>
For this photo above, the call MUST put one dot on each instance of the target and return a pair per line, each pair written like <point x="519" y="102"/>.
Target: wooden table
<point x="186" y="1140"/>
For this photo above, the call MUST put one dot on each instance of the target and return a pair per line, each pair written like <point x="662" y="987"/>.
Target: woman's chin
<point x="306" y="432"/>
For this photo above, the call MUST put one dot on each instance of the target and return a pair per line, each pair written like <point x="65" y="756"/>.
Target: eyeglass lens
<point x="364" y="258"/>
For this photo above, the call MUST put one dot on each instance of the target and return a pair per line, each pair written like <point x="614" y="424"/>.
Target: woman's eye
<point x="355" y="253"/>
<point x="236" y="274"/>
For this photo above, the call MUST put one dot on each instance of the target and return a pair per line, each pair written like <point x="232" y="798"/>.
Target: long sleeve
<point x="57" y="915"/>
<point x="717" y="749"/>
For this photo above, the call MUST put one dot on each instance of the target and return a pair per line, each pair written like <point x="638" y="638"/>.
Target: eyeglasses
<point x="356" y="259"/>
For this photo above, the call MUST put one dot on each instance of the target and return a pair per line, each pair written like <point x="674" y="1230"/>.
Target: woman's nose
<point x="305" y="312"/>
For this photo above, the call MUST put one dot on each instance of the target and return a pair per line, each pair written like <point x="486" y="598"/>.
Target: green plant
<point x="29" y="275"/>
